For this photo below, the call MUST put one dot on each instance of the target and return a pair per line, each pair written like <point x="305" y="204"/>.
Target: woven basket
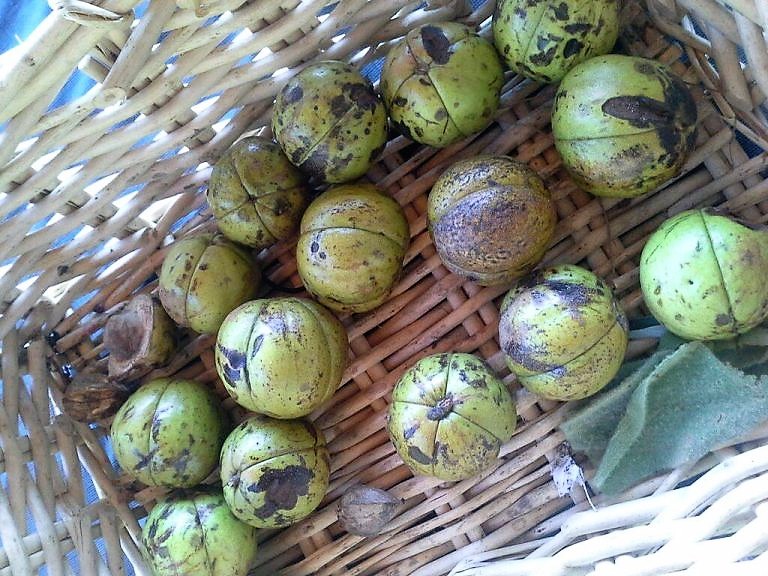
<point x="94" y="191"/>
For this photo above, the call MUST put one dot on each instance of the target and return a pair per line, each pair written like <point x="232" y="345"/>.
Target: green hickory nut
<point x="195" y="534"/>
<point x="450" y="415"/>
<point x="256" y="195"/>
<point x="169" y="433"/>
<point x="491" y="219"/>
<point x="441" y="83"/>
<point x="274" y="472"/>
<point x="351" y="247"/>
<point x="623" y="125"/>
<point x="563" y="333"/>
<point x="330" y="122"/>
<point x="282" y="357"/>
<point x="703" y="275"/>
<point x="544" y="39"/>
<point x="203" y="279"/>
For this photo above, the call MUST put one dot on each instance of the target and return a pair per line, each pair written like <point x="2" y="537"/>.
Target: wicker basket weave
<point x="94" y="191"/>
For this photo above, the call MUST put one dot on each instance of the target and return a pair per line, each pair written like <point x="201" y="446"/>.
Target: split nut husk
<point x="623" y="125"/>
<point x="195" y="534"/>
<point x="91" y="397"/>
<point x="256" y="195"/>
<point x="282" y="357"/>
<point x="140" y="337"/>
<point x="169" y="433"/>
<point x="703" y="275"/>
<point x="274" y="472"/>
<point x="449" y="416"/>
<point x="491" y="219"/>
<point x="563" y="333"/>
<point x="543" y="40"/>
<point x="365" y="510"/>
<point x="204" y="278"/>
<point x="330" y="122"/>
<point x="351" y="247"/>
<point x="441" y="83"/>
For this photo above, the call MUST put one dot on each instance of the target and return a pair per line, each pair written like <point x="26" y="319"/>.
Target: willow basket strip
<point x="96" y="190"/>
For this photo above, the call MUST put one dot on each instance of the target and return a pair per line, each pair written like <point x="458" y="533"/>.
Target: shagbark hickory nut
<point x="169" y="433"/>
<point x="274" y="472"/>
<point x="703" y="275"/>
<point x="563" y="333"/>
<point x="193" y="532"/>
<point x="282" y="357"/>
<point x="330" y="122"/>
<point x="441" y="83"/>
<point x="203" y="279"/>
<point x="623" y="125"/>
<point x="256" y="195"/>
<point x="491" y="218"/>
<point x="544" y="40"/>
<point x="449" y="416"/>
<point x="351" y="247"/>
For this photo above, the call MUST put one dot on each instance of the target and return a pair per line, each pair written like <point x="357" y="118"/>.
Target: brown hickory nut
<point x="491" y="219"/>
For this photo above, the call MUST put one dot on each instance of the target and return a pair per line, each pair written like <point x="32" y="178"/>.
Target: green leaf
<point x="683" y="408"/>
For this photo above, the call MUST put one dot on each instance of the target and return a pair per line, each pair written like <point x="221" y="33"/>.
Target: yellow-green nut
<point x="274" y="472"/>
<point x="351" y="247"/>
<point x="441" y="83"/>
<point x="194" y="533"/>
<point x="449" y="416"/>
<point x="169" y="433"/>
<point x="491" y="218"/>
<point x="282" y="357"/>
<point x="203" y="279"/>
<point x="623" y="125"/>
<point x="563" y="333"/>
<point x="330" y="122"/>
<point x="704" y="276"/>
<point x="543" y="40"/>
<point x="256" y="195"/>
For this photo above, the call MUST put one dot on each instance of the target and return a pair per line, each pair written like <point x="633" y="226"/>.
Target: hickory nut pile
<point x="623" y="126"/>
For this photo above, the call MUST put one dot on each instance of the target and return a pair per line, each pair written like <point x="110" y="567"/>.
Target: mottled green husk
<point x="441" y="83"/>
<point x="256" y="195"/>
<point x="169" y="433"/>
<point x="282" y="357"/>
<point x="450" y="415"/>
<point x="703" y="275"/>
<point x="544" y="40"/>
<point x="195" y="534"/>
<point x="351" y="247"/>
<point x="274" y="472"/>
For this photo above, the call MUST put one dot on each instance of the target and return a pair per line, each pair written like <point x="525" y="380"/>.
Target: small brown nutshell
<point x="365" y="511"/>
<point x="140" y="337"/>
<point x="91" y="397"/>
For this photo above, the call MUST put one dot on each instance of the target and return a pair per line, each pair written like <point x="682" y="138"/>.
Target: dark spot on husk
<point x="293" y="95"/>
<point x="645" y="68"/>
<point x="640" y="111"/>
<point x="144" y="459"/>
<point x="314" y="247"/>
<point x="443" y="407"/>
<point x="436" y="44"/>
<point x="572" y="47"/>
<point x="573" y="294"/>
<point x="338" y="106"/>
<point x="520" y="13"/>
<point x="523" y="353"/>
<point x="544" y="58"/>
<point x="418" y="456"/>
<point x="362" y="95"/>
<point x="409" y="432"/>
<point x="235" y="362"/>
<point x="257" y="345"/>
<point x="561" y="11"/>
<point x="577" y="28"/>
<point x="282" y="488"/>
<point x="723" y="319"/>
